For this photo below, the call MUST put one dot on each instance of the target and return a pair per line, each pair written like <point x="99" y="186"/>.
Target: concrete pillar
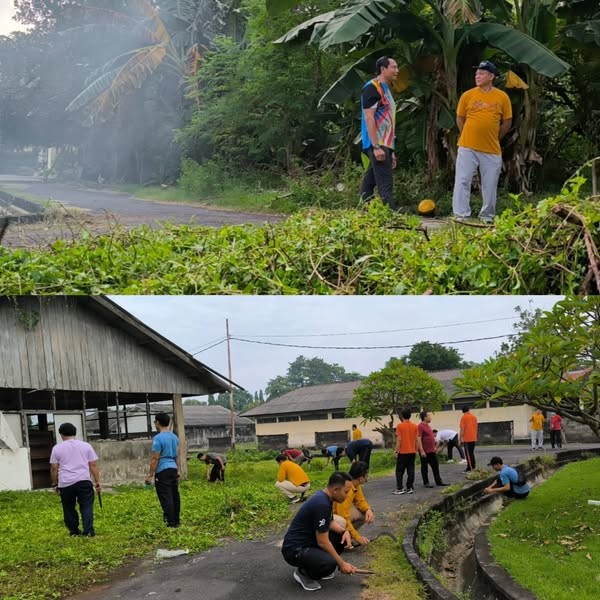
<point x="179" y="430"/>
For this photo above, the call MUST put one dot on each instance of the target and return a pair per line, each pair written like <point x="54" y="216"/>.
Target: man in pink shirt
<point x="556" y="430"/>
<point x="72" y="466"/>
<point x="428" y="451"/>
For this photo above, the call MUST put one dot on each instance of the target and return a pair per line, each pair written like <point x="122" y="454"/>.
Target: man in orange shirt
<point x="407" y="444"/>
<point x="483" y="117"/>
<point x="468" y="436"/>
<point x="291" y="479"/>
<point x="537" y="430"/>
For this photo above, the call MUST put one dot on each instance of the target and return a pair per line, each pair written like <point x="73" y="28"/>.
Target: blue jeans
<point x="81" y="492"/>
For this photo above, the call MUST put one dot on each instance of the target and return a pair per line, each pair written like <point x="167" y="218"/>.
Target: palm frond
<point x="145" y="8"/>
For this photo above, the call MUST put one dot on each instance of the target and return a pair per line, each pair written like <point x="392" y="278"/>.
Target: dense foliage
<point x="541" y="249"/>
<point x="553" y="367"/>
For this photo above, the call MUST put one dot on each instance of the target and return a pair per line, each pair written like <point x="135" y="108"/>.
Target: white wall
<point x="14" y="470"/>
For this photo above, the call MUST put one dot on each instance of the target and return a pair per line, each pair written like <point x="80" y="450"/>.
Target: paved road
<point x="131" y="210"/>
<point x="255" y="570"/>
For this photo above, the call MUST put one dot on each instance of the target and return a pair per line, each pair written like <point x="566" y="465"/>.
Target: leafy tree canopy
<point x="554" y="367"/>
<point x="433" y="357"/>
<point x="383" y="394"/>
<point x="303" y="372"/>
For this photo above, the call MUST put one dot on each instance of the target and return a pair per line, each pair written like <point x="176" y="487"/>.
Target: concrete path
<point x="255" y="570"/>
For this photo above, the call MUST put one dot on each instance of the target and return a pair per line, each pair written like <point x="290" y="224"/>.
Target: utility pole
<point x="231" y="391"/>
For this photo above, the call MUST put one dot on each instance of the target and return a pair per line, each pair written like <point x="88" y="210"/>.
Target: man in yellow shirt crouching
<point x="355" y="510"/>
<point x="483" y="117"/>
<point x="291" y="479"/>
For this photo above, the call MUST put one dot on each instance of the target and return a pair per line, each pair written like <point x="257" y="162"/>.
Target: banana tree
<point x="172" y="37"/>
<point x="446" y="30"/>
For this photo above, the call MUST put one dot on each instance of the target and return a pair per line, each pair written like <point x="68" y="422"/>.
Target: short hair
<point x="406" y="413"/>
<point x="359" y="469"/>
<point x="496" y="460"/>
<point x="354" y="426"/>
<point x="424" y="414"/>
<point x="466" y="408"/>
<point x="338" y="479"/>
<point x="281" y="457"/>
<point x="67" y="429"/>
<point x="382" y="63"/>
<point x="163" y="419"/>
<point x="324" y="451"/>
<point x="434" y="430"/>
<point x="200" y="455"/>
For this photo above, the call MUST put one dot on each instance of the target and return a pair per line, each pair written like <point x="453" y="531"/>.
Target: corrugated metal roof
<point x="332" y="396"/>
<point x="207" y="416"/>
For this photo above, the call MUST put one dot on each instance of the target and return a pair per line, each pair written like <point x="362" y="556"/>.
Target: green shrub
<point x="203" y="180"/>
<point x="431" y="534"/>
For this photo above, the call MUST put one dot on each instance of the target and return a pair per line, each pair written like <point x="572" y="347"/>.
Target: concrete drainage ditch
<point x="17" y="210"/>
<point x="466" y="568"/>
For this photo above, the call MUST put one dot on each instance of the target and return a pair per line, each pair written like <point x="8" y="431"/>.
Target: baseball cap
<point x="486" y="65"/>
<point x="495" y="460"/>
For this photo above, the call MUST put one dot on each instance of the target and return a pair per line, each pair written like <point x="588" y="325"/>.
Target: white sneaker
<point x="310" y="585"/>
<point x="463" y="461"/>
<point x="331" y="575"/>
<point x="450" y="461"/>
<point x="399" y="492"/>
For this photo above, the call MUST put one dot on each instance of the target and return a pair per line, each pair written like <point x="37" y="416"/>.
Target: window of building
<point x="288" y="418"/>
<point x="445" y="407"/>
<point x="264" y="420"/>
<point x="314" y="417"/>
<point x="338" y="415"/>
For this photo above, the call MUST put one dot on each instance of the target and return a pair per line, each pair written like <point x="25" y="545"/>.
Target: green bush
<point x="203" y="180"/>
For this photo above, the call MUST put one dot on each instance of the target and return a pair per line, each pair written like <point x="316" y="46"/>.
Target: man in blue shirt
<point x="508" y="481"/>
<point x="360" y="450"/>
<point x="165" y="467"/>
<point x="333" y="453"/>
<point x="314" y="541"/>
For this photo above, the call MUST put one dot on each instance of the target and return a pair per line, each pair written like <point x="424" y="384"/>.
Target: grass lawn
<point x="550" y="543"/>
<point x="233" y="198"/>
<point x="39" y="560"/>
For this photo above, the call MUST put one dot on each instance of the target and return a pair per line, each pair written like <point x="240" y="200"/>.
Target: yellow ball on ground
<point x="426" y="208"/>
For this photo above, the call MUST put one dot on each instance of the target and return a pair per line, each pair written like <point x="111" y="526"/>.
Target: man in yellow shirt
<point x="537" y="430"/>
<point x="354" y="511"/>
<point x="356" y="433"/>
<point x="483" y="117"/>
<point x="291" y="479"/>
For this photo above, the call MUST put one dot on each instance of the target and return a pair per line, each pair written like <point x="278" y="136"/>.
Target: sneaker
<point x="463" y="461"/>
<point x="331" y="575"/>
<point x="310" y="585"/>
<point x="410" y="491"/>
<point x="450" y="461"/>
<point x="295" y="500"/>
<point x="427" y="485"/>
<point x="442" y="484"/>
<point x="487" y="220"/>
<point x="399" y="492"/>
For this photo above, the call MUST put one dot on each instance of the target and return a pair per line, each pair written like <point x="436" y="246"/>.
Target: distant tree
<point x="241" y="400"/>
<point x="383" y="394"/>
<point x="433" y="357"/>
<point x="193" y="402"/>
<point x="303" y="372"/>
<point x="528" y="317"/>
<point x="535" y="371"/>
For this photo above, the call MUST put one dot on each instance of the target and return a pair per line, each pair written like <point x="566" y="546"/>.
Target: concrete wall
<point x="14" y="469"/>
<point x="123" y="462"/>
<point x="303" y="432"/>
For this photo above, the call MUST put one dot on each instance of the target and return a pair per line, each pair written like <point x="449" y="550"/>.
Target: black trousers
<point x="82" y="493"/>
<point x="167" y="490"/>
<point x="556" y="438"/>
<point x="313" y="561"/>
<point x="430" y="460"/>
<point x="470" y="452"/>
<point x="405" y="462"/>
<point x="217" y="473"/>
<point x="453" y="443"/>
<point x="380" y="175"/>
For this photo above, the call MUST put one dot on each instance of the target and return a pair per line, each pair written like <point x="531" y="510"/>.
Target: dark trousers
<point x="364" y="454"/>
<point x="379" y="174"/>
<point x="453" y="443"/>
<point x="470" y="452"/>
<point x="511" y="493"/>
<point x="167" y="490"/>
<point x="81" y="492"/>
<point x="217" y="473"/>
<point x="556" y="438"/>
<point x="430" y="460"/>
<point x="313" y="561"/>
<point x="405" y="462"/>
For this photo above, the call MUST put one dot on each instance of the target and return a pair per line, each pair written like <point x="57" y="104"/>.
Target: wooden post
<point x="180" y="432"/>
<point x="231" y="404"/>
<point x="118" y="417"/>
<point x="148" y="419"/>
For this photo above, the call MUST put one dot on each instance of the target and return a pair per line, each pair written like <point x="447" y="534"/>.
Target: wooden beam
<point x="179" y="430"/>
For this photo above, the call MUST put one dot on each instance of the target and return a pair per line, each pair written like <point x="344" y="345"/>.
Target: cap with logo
<point x="486" y="65"/>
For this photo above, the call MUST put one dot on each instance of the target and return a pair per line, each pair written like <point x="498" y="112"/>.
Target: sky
<point x="7" y="25"/>
<point x="197" y="322"/>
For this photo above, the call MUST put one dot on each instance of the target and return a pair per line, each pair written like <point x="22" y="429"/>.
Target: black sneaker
<point x="310" y="585"/>
<point x="410" y="491"/>
<point x="427" y="485"/>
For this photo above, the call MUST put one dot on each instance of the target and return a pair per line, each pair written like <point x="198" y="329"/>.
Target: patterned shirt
<point x="379" y="96"/>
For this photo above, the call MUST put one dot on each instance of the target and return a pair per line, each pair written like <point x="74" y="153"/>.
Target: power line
<point x="496" y="337"/>
<point x="381" y="331"/>
<point x="200" y="348"/>
<point x="213" y="346"/>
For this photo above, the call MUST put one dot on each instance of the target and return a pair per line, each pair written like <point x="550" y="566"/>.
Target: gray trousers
<point x="467" y="163"/>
